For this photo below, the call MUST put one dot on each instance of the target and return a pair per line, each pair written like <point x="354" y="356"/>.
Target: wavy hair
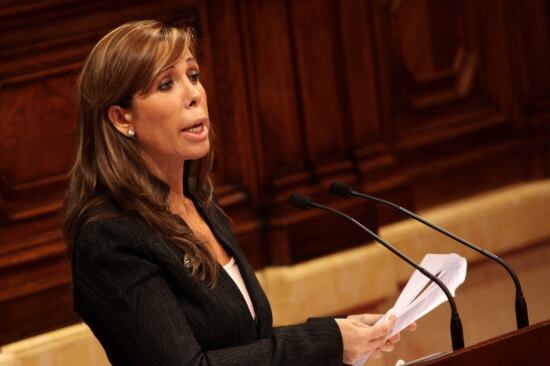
<point x="109" y="166"/>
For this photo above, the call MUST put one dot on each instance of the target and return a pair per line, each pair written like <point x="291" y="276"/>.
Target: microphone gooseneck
<point x="522" y="317"/>
<point x="457" y="335"/>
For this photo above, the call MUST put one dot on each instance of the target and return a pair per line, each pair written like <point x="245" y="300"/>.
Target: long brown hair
<point x="109" y="166"/>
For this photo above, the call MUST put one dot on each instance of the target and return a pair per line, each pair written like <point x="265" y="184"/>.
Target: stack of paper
<point x="421" y="295"/>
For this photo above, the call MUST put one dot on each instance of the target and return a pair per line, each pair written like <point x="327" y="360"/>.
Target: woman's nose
<point x="193" y="96"/>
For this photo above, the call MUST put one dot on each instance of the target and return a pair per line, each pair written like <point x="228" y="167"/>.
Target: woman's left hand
<point x="370" y="319"/>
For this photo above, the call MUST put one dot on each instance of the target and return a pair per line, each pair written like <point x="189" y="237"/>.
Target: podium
<point x="525" y="347"/>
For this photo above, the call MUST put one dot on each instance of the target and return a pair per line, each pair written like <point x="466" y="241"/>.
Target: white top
<point x="232" y="270"/>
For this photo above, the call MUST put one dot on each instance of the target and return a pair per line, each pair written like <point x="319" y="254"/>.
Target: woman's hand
<point x="361" y="336"/>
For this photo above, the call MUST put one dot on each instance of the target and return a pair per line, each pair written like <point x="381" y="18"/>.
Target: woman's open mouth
<point x="198" y="131"/>
<point x="196" y="128"/>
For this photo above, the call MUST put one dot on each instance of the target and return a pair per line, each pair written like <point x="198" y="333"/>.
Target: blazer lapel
<point x="223" y="233"/>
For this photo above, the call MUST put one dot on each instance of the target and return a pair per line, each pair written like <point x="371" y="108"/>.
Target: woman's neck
<point x="171" y="173"/>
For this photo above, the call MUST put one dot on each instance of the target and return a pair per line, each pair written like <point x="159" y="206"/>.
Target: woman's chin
<point x="198" y="152"/>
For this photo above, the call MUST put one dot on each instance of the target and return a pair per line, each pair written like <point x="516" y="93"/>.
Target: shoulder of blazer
<point x="126" y="233"/>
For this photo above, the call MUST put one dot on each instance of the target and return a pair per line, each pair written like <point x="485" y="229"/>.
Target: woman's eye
<point x="194" y="76"/>
<point x="165" y="85"/>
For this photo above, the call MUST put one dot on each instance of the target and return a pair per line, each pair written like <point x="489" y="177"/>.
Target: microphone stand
<point x="457" y="335"/>
<point x="522" y="317"/>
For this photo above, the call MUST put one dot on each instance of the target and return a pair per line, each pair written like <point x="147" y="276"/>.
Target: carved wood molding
<point x="413" y="101"/>
<point x="66" y="32"/>
<point x="29" y="57"/>
<point x="428" y="72"/>
<point x="43" y="44"/>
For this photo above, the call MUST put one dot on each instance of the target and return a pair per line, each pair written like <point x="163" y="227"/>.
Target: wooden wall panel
<point x="273" y="93"/>
<point x="318" y="62"/>
<point x="371" y="150"/>
<point x="228" y="82"/>
<point x="444" y="96"/>
<point x="532" y="37"/>
<point x="235" y="173"/>
<point x="42" y="46"/>
<point x="33" y="153"/>
<point x="533" y="42"/>
<point x="418" y="101"/>
<point x="298" y="122"/>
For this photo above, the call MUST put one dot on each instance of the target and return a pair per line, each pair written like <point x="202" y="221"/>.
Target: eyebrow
<point x="188" y="60"/>
<point x="163" y="70"/>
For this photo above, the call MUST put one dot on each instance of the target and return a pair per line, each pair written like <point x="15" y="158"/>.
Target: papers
<point x="421" y="295"/>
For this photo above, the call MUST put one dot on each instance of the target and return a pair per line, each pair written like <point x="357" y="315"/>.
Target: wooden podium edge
<point x="527" y="346"/>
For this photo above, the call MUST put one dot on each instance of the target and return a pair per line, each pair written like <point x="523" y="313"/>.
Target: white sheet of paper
<point x="420" y="296"/>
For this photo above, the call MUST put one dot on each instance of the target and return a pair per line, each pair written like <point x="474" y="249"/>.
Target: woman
<point x="157" y="274"/>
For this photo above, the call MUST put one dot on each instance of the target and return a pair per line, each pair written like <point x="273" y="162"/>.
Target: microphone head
<point x="341" y="189"/>
<point x="299" y="200"/>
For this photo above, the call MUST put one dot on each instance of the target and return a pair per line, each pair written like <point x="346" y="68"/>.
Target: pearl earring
<point x="131" y="132"/>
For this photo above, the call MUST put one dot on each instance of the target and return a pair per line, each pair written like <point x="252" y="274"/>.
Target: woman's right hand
<point x="360" y="338"/>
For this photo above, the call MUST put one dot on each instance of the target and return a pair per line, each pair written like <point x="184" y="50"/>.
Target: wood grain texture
<point x="42" y="47"/>
<point x="272" y="91"/>
<point x="312" y="26"/>
<point x="418" y="101"/>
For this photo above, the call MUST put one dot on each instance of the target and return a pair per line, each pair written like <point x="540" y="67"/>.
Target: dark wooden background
<point x="418" y="101"/>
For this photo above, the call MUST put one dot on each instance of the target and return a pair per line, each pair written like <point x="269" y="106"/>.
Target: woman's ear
<point x="122" y="120"/>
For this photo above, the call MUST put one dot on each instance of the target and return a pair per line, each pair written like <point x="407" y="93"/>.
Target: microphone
<point x="457" y="335"/>
<point x="522" y="317"/>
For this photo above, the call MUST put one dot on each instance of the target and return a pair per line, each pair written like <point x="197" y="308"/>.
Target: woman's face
<point x="171" y="119"/>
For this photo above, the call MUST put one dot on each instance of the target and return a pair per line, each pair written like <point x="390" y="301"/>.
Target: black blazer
<point x="145" y="308"/>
